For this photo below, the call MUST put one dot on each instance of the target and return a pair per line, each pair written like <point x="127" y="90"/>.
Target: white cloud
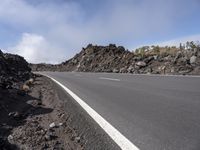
<point x="35" y="49"/>
<point x="54" y="31"/>
<point x="176" y="42"/>
<point x="31" y="47"/>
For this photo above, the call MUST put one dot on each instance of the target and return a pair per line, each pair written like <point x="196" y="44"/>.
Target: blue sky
<point x="52" y="31"/>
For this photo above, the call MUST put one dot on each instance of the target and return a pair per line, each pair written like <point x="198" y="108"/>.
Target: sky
<point x="52" y="31"/>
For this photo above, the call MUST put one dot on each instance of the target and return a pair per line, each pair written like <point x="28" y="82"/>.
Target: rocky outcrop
<point x="13" y="69"/>
<point x="99" y="59"/>
<point x="116" y="59"/>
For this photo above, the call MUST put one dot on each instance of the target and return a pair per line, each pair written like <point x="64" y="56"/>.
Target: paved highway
<point x="153" y="112"/>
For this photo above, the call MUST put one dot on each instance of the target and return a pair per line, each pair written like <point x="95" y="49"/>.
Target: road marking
<point x="117" y="137"/>
<point x="112" y="79"/>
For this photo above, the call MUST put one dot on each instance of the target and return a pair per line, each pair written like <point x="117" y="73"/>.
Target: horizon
<point x="42" y="34"/>
<point x="172" y="43"/>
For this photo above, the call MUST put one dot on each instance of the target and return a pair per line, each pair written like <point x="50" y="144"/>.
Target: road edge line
<point x="114" y="134"/>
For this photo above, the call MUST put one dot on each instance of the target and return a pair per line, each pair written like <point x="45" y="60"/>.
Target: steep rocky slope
<point x="118" y="60"/>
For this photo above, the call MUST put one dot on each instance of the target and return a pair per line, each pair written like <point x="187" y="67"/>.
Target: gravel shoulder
<point x="42" y="116"/>
<point x="35" y="120"/>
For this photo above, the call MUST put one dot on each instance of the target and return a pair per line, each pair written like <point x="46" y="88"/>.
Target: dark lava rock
<point x="13" y="69"/>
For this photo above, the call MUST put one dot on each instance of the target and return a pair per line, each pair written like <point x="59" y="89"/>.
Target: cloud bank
<point x="35" y="47"/>
<point x="52" y="31"/>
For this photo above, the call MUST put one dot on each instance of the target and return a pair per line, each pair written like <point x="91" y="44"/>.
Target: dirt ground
<point x="35" y="120"/>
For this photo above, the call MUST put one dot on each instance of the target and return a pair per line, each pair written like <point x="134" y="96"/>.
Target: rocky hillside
<point x="112" y="58"/>
<point x="13" y="69"/>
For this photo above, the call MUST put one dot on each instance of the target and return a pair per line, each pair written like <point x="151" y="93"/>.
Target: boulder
<point x="130" y="69"/>
<point x="141" y="64"/>
<point x="123" y="70"/>
<point x="60" y="124"/>
<point x="10" y="138"/>
<point x="25" y="88"/>
<point x="52" y="125"/>
<point x="30" y="81"/>
<point x="33" y="102"/>
<point x="115" y="70"/>
<point x="193" y="59"/>
<point x="178" y="55"/>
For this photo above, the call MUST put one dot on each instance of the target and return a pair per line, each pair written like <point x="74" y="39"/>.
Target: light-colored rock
<point x="167" y="58"/>
<point x="123" y="70"/>
<point x="141" y="64"/>
<point x="193" y="59"/>
<point x="14" y="114"/>
<point x="161" y="68"/>
<point x="178" y="55"/>
<point x="25" y="88"/>
<point x="155" y="57"/>
<point x="30" y="81"/>
<point x="115" y="70"/>
<point x="32" y="102"/>
<point x="60" y="124"/>
<point x="52" y="125"/>
<point x="62" y="115"/>
<point x="172" y="70"/>
<point x="130" y="69"/>
<point x="77" y="139"/>
<point x="184" y="71"/>
<point x="10" y="138"/>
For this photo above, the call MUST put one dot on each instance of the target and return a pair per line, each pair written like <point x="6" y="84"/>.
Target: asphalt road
<point x="153" y="112"/>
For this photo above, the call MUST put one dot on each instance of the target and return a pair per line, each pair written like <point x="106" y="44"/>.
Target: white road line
<point x="112" y="79"/>
<point x="119" y="139"/>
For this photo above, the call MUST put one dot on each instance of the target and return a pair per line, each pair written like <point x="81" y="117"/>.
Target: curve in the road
<point x="119" y="139"/>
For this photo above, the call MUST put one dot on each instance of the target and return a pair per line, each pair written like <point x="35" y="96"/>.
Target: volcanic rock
<point x="116" y="59"/>
<point x="193" y="59"/>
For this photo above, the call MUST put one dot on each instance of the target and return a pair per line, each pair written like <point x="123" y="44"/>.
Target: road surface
<point x="153" y="112"/>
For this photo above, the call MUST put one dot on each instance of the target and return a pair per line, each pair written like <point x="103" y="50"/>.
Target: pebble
<point x="10" y="138"/>
<point x="25" y="88"/>
<point x="60" y="124"/>
<point x="14" y="114"/>
<point x="47" y="137"/>
<point x="52" y="125"/>
<point x="77" y="139"/>
<point x="61" y="116"/>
